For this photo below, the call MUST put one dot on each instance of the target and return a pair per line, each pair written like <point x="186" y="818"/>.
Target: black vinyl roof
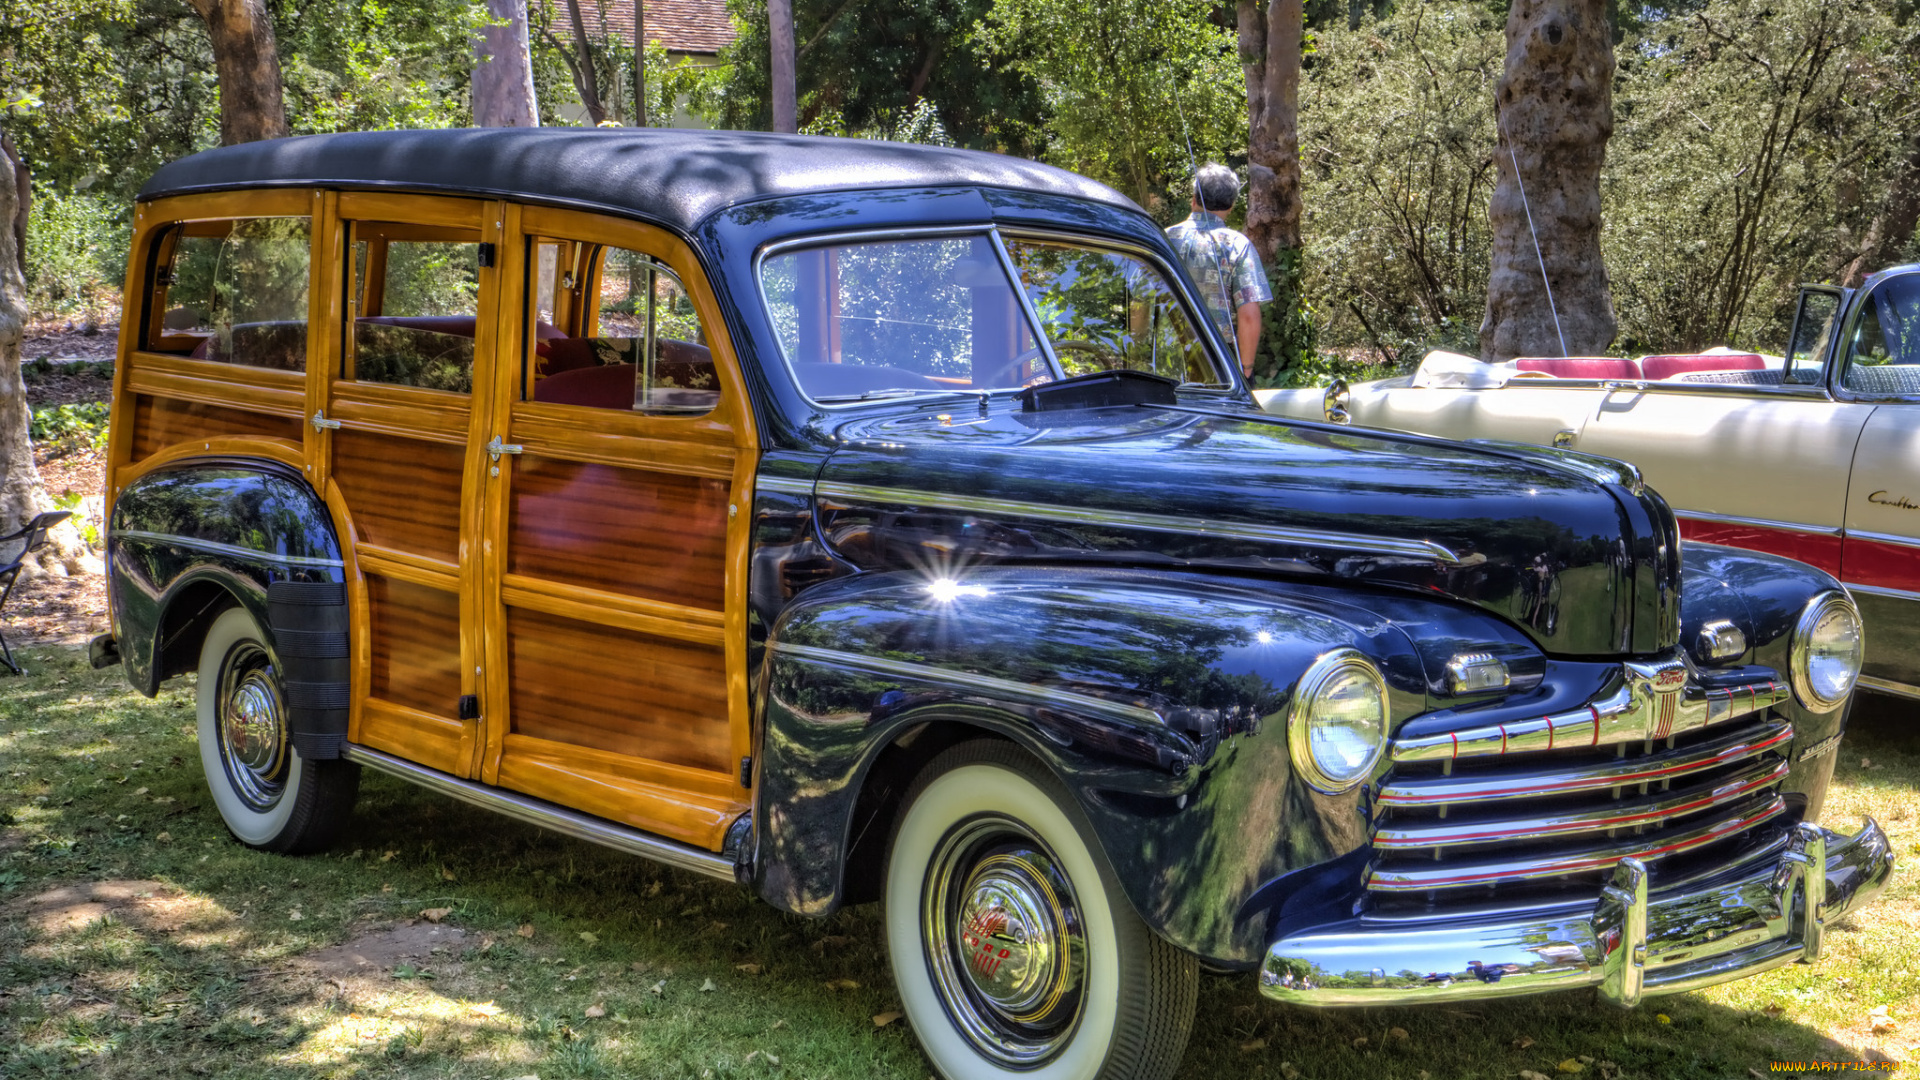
<point x="675" y="177"/>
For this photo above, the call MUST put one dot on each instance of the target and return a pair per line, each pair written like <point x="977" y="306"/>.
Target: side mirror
<point x="1334" y="403"/>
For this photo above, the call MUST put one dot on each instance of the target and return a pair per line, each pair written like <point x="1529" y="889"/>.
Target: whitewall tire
<point x="1013" y="948"/>
<point x="268" y="795"/>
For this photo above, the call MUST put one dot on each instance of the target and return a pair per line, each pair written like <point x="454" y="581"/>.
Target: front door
<point x="413" y="311"/>
<point x="617" y="471"/>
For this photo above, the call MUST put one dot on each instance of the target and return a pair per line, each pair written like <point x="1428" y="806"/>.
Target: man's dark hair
<point x="1216" y="187"/>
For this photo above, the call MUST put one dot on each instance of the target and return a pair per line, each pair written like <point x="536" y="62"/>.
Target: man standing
<point x="1222" y="262"/>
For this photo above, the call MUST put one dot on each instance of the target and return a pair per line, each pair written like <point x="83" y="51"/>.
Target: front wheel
<point x="1013" y="948"/>
<point x="270" y="797"/>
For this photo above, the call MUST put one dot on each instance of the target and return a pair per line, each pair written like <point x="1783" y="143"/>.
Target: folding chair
<point x="30" y="539"/>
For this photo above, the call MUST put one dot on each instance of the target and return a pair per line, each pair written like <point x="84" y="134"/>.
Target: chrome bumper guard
<point x="1628" y="944"/>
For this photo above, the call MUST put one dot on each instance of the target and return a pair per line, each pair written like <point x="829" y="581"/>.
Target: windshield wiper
<point x="876" y="395"/>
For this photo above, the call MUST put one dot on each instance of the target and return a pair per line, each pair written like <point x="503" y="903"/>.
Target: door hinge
<point x="469" y="706"/>
<point x="321" y="423"/>
<point x="496" y="448"/>
<point x="746" y="772"/>
<point x="486" y="255"/>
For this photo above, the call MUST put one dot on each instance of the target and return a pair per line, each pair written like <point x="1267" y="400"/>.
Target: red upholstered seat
<point x="607" y="386"/>
<point x="1666" y="367"/>
<point x="1581" y="367"/>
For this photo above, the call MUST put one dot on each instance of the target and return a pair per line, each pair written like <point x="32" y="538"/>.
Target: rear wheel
<point x="1013" y="948"/>
<point x="269" y="796"/>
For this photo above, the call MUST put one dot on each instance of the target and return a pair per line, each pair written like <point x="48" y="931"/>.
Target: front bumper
<point x="1628" y="945"/>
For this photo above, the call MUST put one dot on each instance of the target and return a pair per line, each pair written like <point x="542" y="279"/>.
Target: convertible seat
<point x="1883" y="378"/>
<point x="611" y="386"/>
<point x="1668" y="366"/>
<point x="1581" y="367"/>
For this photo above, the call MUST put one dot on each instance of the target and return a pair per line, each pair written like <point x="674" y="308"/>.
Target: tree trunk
<point x="639" y="63"/>
<point x="1554" y="112"/>
<point x="503" y="69"/>
<point x="248" y="68"/>
<point x="786" y="115"/>
<point x="1273" y="124"/>
<point x="584" y="76"/>
<point x="21" y="494"/>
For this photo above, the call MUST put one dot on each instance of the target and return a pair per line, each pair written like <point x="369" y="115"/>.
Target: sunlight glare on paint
<point x="946" y="590"/>
<point x="1263" y="637"/>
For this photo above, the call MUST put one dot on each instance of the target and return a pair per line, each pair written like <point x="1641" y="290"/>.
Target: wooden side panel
<point x="404" y="493"/>
<point x="416" y="645"/>
<point x="692" y="807"/>
<point x="617" y="690"/>
<point x="162" y="422"/>
<point x="629" y="531"/>
<point x="433" y="741"/>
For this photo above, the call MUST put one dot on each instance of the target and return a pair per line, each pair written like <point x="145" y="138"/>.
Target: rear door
<point x="622" y="454"/>
<point x="413" y="311"/>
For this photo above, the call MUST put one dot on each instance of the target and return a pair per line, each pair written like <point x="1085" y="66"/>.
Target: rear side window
<point x="235" y="292"/>
<point x="415" y="305"/>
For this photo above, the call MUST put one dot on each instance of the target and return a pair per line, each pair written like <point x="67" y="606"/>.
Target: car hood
<point x="1567" y="546"/>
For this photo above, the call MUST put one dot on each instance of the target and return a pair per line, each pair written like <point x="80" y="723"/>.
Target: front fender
<point x="191" y="538"/>
<point x="1158" y="699"/>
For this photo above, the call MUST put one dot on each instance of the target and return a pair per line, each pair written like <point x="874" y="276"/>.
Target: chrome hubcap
<point x="1005" y="941"/>
<point x="253" y="735"/>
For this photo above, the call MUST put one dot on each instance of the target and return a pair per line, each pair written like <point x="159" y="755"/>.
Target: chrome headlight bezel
<point x="1303" y="714"/>
<point x="1800" y="655"/>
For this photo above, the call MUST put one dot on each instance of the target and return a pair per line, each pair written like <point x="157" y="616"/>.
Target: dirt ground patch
<point x="65" y="339"/>
<point x="149" y="905"/>
<point x="380" y="951"/>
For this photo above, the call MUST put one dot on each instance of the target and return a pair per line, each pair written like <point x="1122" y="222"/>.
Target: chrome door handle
<point x="496" y="448"/>
<point x="321" y="423"/>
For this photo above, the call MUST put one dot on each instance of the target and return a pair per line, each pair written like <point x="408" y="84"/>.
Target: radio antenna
<point x="1219" y="265"/>
<point x="1500" y="119"/>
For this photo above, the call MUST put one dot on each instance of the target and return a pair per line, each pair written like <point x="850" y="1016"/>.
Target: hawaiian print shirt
<point x="1223" y="264"/>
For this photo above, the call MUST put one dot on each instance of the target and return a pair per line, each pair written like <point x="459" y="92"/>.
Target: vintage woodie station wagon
<point x="864" y="522"/>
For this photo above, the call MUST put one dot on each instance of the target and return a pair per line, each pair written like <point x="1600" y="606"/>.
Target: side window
<point x="1883" y="355"/>
<point x="236" y="292"/>
<point x="1813" y="327"/>
<point x="414" y="303"/>
<point x="1105" y="310"/>
<point x="616" y="329"/>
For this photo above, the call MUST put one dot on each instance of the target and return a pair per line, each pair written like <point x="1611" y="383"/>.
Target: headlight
<point x="1827" y="652"/>
<point x="1338" y="722"/>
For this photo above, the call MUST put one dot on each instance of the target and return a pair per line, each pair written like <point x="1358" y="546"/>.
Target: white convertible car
<point x="1814" y="455"/>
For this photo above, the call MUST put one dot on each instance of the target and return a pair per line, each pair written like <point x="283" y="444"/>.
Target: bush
<point x="76" y="254"/>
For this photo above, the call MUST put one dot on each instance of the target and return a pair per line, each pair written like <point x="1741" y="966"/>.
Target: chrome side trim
<point x="1770" y="914"/>
<point x="1004" y="689"/>
<point x="1346" y="543"/>
<point x="548" y="816"/>
<point x="782" y="484"/>
<point x="1465" y="788"/>
<point x="1764" y="523"/>
<point x="1884" y="538"/>
<point x="1888" y="686"/>
<point x="215" y="547"/>
<point x="1421" y="876"/>
<point x="1630" y="814"/>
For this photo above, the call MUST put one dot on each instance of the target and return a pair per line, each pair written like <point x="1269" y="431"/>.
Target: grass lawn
<point x="137" y="940"/>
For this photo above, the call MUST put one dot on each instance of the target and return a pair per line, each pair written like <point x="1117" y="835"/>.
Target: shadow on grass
<point x="578" y="962"/>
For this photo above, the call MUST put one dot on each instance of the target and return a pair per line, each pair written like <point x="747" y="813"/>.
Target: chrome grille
<point x="1699" y="787"/>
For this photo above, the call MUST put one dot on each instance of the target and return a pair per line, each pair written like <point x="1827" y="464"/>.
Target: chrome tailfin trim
<point x="548" y="816"/>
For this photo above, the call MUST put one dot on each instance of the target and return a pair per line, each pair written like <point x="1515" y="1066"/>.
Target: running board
<point x="548" y="816"/>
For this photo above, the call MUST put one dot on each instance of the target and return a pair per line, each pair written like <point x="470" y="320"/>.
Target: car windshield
<point x="861" y="320"/>
<point x="1884" y="351"/>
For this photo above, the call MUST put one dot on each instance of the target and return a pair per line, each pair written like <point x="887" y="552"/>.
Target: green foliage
<point x="1125" y="82"/>
<point x="71" y="426"/>
<point x="76" y="252"/>
<point x="1288" y="331"/>
<point x="670" y="86"/>
<point x="865" y="68"/>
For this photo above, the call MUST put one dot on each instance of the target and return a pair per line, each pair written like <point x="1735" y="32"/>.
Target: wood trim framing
<point x="690" y="805"/>
<point x="676" y="621"/>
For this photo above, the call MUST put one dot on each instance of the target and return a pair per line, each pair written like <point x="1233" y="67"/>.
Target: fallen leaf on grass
<point x="1397" y="1035"/>
<point x="1360" y="1042"/>
<point x="1522" y="1043"/>
<point x="589" y="937"/>
<point x="707" y="987"/>
<point x="771" y="1060"/>
<point x="1570" y="1066"/>
<point x="1288" y="1072"/>
<point x="525" y="931"/>
<point x="1775" y="1009"/>
<point x="294" y="915"/>
<point x="143" y="791"/>
<point x="1865" y="763"/>
<point x="1663" y="1018"/>
<point x="386" y="888"/>
<point x="842" y="984"/>
<point x="1880" y="1023"/>
<point x="165" y="838"/>
<point x="750" y="969"/>
<point x="653" y="889"/>
<point x="1529" y="1074"/>
<point x="885" y="1018"/>
<point x="1757" y="1074"/>
<point x="1251" y="1045"/>
<point x="777" y="1025"/>
<point x="389" y="856"/>
<point x="447" y="875"/>
<point x="659" y="989"/>
<point x="408" y="971"/>
<point x="831" y="941"/>
<point x="485" y="1008"/>
<point x="595" y="1012"/>
<point x="435" y="914"/>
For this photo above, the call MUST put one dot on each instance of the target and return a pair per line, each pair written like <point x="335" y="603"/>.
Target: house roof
<point x="674" y="176"/>
<point x="689" y="26"/>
